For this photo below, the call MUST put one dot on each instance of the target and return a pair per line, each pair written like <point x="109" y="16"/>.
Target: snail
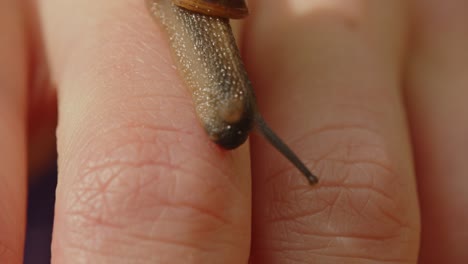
<point x="209" y="62"/>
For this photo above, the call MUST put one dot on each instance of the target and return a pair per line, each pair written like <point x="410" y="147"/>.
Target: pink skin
<point x="140" y="182"/>
<point x="12" y="133"/>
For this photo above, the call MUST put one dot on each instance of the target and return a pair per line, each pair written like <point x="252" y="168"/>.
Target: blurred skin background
<point x="372" y="94"/>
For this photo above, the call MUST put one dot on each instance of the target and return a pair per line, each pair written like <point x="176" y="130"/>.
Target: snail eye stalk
<point x="279" y="145"/>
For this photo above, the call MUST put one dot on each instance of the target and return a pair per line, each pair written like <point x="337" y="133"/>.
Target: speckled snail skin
<point x="208" y="59"/>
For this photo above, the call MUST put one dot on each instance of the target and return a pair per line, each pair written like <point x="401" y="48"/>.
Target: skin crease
<point x="140" y="182"/>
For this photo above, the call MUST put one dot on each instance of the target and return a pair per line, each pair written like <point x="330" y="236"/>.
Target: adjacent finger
<point x="13" y="72"/>
<point x="139" y="180"/>
<point x="437" y="105"/>
<point x="327" y="76"/>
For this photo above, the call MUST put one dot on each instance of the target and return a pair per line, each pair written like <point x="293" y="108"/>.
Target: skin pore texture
<point x="372" y="100"/>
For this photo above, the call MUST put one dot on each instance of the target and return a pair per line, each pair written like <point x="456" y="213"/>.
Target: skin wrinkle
<point x="297" y="216"/>
<point x="326" y="129"/>
<point x="156" y="239"/>
<point x="140" y="142"/>
<point x="78" y="248"/>
<point x="289" y="245"/>
<point x="123" y="165"/>
<point x="132" y="190"/>
<point x="354" y="162"/>
<point x="321" y="251"/>
<point x="159" y="240"/>
<point x="350" y="162"/>
<point x="130" y="238"/>
<point x="195" y="244"/>
<point x="294" y="253"/>
<point x="300" y="246"/>
<point x="361" y="213"/>
<point x="364" y="258"/>
<point x="329" y="128"/>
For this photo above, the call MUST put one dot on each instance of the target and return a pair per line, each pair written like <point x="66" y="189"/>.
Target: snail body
<point x="209" y="61"/>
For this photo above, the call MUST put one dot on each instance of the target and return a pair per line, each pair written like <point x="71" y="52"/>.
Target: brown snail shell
<point x="209" y="62"/>
<point x="233" y="9"/>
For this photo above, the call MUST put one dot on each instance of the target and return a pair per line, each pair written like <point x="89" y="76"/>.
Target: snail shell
<point x="208" y="60"/>
<point x="233" y="9"/>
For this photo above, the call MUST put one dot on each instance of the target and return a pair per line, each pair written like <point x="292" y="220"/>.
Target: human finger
<point x="328" y="78"/>
<point x="139" y="181"/>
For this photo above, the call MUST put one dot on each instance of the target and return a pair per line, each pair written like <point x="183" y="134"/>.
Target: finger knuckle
<point x="361" y="200"/>
<point x="128" y="186"/>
